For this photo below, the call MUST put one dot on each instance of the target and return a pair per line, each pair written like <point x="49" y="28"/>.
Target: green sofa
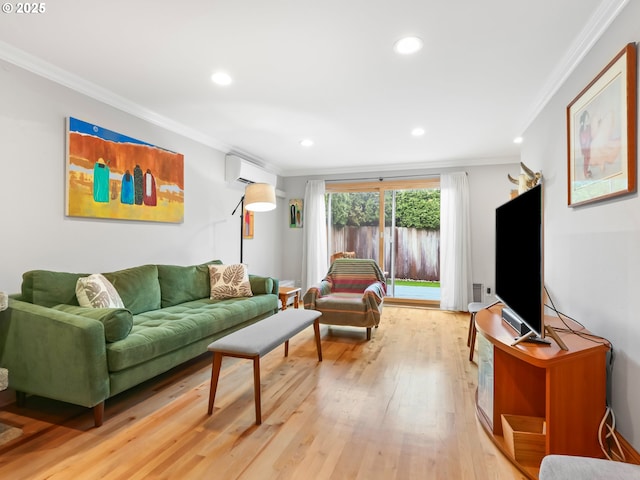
<point x="56" y="349"/>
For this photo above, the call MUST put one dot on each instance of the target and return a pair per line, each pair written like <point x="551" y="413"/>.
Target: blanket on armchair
<point x="352" y="293"/>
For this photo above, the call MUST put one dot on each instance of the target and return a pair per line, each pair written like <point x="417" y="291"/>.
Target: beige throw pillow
<point x="229" y="281"/>
<point x="97" y="292"/>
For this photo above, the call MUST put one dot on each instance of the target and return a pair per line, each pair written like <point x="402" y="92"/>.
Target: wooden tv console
<point x="566" y="388"/>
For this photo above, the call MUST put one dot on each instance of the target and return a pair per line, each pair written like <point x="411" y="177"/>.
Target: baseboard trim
<point x="630" y="454"/>
<point x="411" y="302"/>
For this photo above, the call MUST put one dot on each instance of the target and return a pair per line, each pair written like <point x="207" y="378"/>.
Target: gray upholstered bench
<point x="258" y="339"/>
<point x="563" y="467"/>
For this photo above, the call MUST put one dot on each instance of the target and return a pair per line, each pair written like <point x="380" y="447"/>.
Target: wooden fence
<point x="417" y="250"/>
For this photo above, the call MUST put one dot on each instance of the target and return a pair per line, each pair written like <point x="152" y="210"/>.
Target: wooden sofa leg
<point x="21" y="399"/>
<point x="98" y="414"/>
<point x="368" y="333"/>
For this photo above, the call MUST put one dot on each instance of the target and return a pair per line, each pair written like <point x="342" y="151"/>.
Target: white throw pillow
<point x="97" y="292"/>
<point x="229" y="281"/>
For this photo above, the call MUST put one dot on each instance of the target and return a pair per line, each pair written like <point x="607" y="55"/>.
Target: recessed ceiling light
<point x="408" y="45"/>
<point x="417" y="132"/>
<point x="307" y="142"/>
<point x="518" y="140"/>
<point x="221" y="78"/>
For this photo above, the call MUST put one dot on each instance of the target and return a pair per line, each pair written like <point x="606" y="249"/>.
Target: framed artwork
<point x="295" y="213"/>
<point x="247" y="224"/>
<point x="110" y="175"/>
<point x="601" y="134"/>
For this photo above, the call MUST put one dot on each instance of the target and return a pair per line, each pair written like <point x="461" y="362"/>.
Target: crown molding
<point x="607" y="11"/>
<point x="51" y="72"/>
<point x="434" y="165"/>
<point x="604" y="15"/>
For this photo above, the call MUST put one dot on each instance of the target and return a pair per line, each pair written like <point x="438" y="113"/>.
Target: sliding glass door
<point x="412" y="243"/>
<point x="395" y="223"/>
<point x="354" y="223"/>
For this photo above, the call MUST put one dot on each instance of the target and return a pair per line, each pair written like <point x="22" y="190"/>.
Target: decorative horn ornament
<point x="513" y="180"/>
<point x="527" y="178"/>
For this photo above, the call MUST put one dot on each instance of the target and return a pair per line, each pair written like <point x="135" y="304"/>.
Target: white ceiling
<point x="322" y="69"/>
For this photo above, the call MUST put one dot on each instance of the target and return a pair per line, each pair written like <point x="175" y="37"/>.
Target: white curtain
<point x="314" y="247"/>
<point x="456" y="289"/>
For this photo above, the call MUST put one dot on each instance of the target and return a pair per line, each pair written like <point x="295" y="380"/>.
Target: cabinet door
<point x="485" y="377"/>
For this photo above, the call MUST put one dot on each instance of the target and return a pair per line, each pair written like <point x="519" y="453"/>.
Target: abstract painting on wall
<point x="110" y="175"/>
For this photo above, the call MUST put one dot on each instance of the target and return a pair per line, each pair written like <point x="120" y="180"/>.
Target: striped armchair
<point x="351" y="294"/>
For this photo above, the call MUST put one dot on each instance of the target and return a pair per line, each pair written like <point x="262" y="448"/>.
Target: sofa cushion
<point x="182" y="284"/>
<point x="229" y="281"/>
<point x="156" y="333"/>
<point x="138" y="287"/>
<point x="97" y="292"/>
<point x="117" y="321"/>
<point x="48" y="288"/>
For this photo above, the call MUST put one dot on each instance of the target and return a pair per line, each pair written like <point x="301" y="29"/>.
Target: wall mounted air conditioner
<point x="241" y="171"/>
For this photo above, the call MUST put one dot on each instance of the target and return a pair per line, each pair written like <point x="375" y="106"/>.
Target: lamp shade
<point x="260" y="197"/>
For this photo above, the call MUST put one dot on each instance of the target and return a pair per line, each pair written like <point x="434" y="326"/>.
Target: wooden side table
<point x="285" y="293"/>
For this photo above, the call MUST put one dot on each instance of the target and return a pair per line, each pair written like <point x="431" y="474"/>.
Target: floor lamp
<point x="258" y="197"/>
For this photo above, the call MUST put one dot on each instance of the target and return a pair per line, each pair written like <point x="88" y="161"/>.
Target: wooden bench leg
<point x="286" y="348"/>
<point x="368" y="333"/>
<point x="98" y="414"/>
<point x="316" y="329"/>
<point x="256" y="388"/>
<point x="215" y="374"/>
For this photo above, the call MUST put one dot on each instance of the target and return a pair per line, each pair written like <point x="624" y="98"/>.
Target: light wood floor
<point x="399" y="406"/>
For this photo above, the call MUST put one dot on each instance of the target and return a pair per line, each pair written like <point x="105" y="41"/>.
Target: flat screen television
<point x="519" y="262"/>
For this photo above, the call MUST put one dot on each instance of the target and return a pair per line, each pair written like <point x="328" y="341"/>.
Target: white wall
<point x="488" y="186"/>
<point x="36" y="234"/>
<point x="592" y="253"/>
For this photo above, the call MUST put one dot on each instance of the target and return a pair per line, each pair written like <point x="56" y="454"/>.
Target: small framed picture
<point x="295" y="213"/>
<point x="247" y="223"/>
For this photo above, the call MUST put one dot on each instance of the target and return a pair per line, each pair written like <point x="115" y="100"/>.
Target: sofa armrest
<point x="54" y="354"/>
<point x="260" y="284"/>
<point x="314" y="292"/>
